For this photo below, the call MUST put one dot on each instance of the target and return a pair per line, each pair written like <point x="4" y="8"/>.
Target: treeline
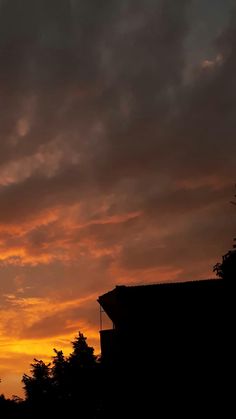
<point x="66" y="386"/>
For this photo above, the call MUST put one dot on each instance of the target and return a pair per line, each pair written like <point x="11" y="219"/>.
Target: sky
<point x="117" y="159"/>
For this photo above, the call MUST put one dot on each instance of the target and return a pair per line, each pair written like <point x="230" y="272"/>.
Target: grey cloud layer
<point x="104" y="81"/>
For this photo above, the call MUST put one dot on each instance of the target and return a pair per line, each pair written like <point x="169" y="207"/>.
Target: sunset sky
<point x="117" y="159"/>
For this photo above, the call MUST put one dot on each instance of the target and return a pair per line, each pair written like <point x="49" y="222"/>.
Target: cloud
<point x="64" y="322"/>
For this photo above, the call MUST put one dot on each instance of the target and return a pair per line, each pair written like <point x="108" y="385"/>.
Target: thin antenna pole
<point x="100" y="318"/>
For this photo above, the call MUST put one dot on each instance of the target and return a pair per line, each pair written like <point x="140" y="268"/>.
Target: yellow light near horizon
<point x="17" y="355"/>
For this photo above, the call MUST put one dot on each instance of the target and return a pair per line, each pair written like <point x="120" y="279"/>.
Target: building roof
<point x="124" y="299"/>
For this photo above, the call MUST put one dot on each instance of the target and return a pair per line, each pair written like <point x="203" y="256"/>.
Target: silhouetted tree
<point x="60" y="377"/>
<point x="83" y="376"/>
<point x="82" y="355"/>
<point x="59" y="366"/>
<point x="13" y="408"/>
<point x="66" y="385"/>
<point x="227" y="268"/>
<point x="38" y="386"/>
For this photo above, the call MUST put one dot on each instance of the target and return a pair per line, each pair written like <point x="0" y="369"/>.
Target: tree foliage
<point x="82" y="355"/>
<point x="58" y="387"/>
<point x="38" y="386"/>
<point x="227" y="268"/>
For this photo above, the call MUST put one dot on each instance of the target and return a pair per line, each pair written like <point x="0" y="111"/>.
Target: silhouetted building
<point x="173" y="317"/>
<point x="166" y="342"/>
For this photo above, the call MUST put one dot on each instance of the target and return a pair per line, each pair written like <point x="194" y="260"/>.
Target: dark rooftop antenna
<point x="101" y="311"/>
